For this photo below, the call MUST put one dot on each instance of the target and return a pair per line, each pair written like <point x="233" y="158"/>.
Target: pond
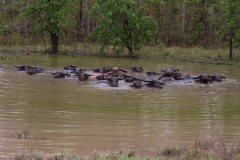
<point x="69" y="114"/>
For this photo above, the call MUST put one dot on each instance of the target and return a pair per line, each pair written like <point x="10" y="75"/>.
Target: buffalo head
<point x="151" y="73"/>
<point x="83" y="76"/>
<point x="70" y="67"/>
<point x="31" y="71"/>
<point x="169" y="72"/>
<point x="137" y="69"/>
<point x="154" y="83"/>
<point x="137" y="84"/>
<point x="217" y="78"/>
<point x="131" y="78"/>
<point x="103" y="69"/>
<point x="113" y="80"/>
<point x="21" y="67"/>
<point x="204" y="78"/>
<point x="100" y="77"/>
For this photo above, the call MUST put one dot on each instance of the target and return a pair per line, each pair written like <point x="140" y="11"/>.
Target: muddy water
<point x="83" y="117"/>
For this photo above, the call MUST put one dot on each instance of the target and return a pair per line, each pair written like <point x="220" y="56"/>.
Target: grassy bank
<point x="202" y="147"/>
<point x="196" y="55"/>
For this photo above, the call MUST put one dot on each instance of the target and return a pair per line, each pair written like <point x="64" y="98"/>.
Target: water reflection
<point x="83" y="116"/>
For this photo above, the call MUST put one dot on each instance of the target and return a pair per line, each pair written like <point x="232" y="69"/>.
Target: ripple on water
<point x="85" y="115"/>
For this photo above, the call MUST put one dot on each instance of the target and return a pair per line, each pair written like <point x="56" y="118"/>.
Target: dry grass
<point x="203" y="147"/>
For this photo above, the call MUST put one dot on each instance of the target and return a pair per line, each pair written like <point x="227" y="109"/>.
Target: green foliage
<point x="49" y="15"/>
<point x="122" y="25"/>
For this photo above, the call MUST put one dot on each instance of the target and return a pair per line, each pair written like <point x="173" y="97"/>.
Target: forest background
<point x="199" y="30"/>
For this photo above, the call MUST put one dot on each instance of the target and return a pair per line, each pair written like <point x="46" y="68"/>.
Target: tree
<point x="122" y="24"/>
<point x="48" y="16"/>
<point x="231" y="28"/>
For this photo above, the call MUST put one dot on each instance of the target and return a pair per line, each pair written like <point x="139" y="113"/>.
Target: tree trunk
<point x="205" y="24"/>
<point x="138" y="4"/>
<point x="80" y="21"/>
<point x="231" y="34"/>
<point x="87" y="26"/>
<point x="230" y="47"/>
<point x="54" y="38"/>
<point x="182" y="23"/>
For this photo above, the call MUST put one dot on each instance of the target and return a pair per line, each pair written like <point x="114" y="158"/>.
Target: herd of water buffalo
<point x="112" y="75"/>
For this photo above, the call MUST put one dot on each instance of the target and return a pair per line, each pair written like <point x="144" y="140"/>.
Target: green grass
<point x="194" y="55"/>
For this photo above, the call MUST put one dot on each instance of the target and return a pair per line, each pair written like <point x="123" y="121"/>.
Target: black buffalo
<point x="100" y="77"/>
<point x="31" y="71"/>
<point x="103" y="69"/>
<point x="130" y="78"/>
<point x="169" y="72"/>
<point x="21" y="67"/>
<point x="83" y="76"/>
<point x="217" y="78"/>
<point x="37" y="68"/>
<point x="137" y="69"/>
<point x="204" y="78"/>
<point x="137" y="84"/>
<point x="70" y="67"/>
<point x="154" y="83"/>
<point x="60" y="74"/>
<point x="151" y="73"/>
<point x="113" y="80"/>
<point x="78" y="70"/>
<point x="186" y="76"/>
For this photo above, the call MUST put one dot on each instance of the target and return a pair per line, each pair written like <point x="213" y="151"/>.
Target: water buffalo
<point x="186" y="76"/>
<point x="151" y="73"/>
<point x="67" y="72"/>
<point x="113" y="80"/>
<point x="217" y="78"/>
<point x="70" y="67"/>
<point x="169" y="72"/>
<point x="78" y="70"/>
<point x="37" y="68"/>
<point x="100" y="77"/>
<point x="137" y="84"/>
<point x="21" y="67"/>
<point x="166" y="79"/>
<point x="31" y="71"/>
<point x="137" y="69"/>
<point x="60" y="74"/>
<point x="175" y="76"/>
<point x="83" y="76"/>
<point x="153" y="83"/>
<point x="103" y="69"/>
<point x="204" y="78"/>
<point x="131" y="78"/>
